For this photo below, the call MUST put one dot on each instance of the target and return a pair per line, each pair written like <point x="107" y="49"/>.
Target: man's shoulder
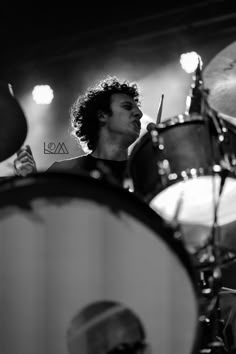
<point x="68" y="164"/>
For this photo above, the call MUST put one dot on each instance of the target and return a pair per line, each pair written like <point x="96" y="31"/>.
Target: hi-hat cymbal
<point x="13" y="123"/>
<point x="219" y="77"/>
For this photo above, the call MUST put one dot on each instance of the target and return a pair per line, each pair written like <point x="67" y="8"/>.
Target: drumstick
<point x="160" y="110"/>
<point x="178" y="209"/>
<point x="10" y="89"/>
<point x="227" y="290"/>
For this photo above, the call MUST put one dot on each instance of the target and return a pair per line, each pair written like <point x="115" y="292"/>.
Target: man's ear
<point x="102" y="117"/>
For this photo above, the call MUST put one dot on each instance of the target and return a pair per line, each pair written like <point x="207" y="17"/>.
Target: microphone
<point x="194" y="99"/>
<point x="152" y="128"/>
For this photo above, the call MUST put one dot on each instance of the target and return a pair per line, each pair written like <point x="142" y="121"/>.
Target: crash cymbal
<point x="219" y="77"/>
<point x="13" y="123"/>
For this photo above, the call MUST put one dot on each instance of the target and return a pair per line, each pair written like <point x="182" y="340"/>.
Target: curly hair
<point x="84" y="111"/>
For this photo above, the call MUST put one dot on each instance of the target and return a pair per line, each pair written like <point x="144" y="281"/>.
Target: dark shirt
<point x="112" y="171"/>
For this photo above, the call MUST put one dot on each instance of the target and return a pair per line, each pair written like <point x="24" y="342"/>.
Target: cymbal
<point x="13" y="123"/>
<point x="219" y="77"/>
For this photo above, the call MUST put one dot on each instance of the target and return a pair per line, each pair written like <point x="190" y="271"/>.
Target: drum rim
<point x="11" y="188"/>
<point x="181" y="119"/>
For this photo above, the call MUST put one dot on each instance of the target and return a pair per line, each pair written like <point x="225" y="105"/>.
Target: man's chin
<point x="135" y="133"/>
<point x="134" y="140"/>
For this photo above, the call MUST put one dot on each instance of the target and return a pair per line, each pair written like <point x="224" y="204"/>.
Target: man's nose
<point x="138" y="113"/>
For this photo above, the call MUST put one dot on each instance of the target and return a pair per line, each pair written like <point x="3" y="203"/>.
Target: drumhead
<point x="69" y="240"/>
<point x="199" y="198"/>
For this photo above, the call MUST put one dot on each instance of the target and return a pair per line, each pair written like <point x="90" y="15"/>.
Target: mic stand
<point x="219" y="128"/>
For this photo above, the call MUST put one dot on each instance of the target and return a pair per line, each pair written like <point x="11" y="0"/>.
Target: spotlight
<point x="189" y="61"/>
<point x="42" y="94"/>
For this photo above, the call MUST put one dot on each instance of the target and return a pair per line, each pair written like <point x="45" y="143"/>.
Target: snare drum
<point x="180" y="177"/>
<point x="69" y="240"/>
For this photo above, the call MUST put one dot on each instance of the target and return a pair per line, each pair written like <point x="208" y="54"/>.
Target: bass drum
<point x="67" y="241"/>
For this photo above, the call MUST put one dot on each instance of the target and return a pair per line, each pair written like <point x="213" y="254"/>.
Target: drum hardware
<point x="221" y="132"/>
<point x="199" y="104"/>
<point x="212" y="254"/>
<point x="224" y="170"/>
<point x="212" y="324"/>
<point x="102" y="171"/>
<point x="163" y="168"/>
<point x="229" y="159"/>
<point x="157" y="140"/>
<point x="152" y="128"/>
<point x="210" y="283"/>
<point x="196" y="158"/>
<point x="212" y="333"/>
<point x="194" y="100"/>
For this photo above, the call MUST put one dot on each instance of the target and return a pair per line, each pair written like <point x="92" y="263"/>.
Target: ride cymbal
<point x="220" y="78"/>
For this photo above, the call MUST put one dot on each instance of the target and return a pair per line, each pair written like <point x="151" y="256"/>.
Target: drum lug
<point x="95" y="174"/>
<point x="233" y="159"/>
<point x="128" y="184"/>
<point x="157" y="140"/>
<point x="232" y="162"/>
<point x="163" y="167"/>
<point x="164" y="170"/>
<point x="228" y="162"/>
<point x="161" y="145"/>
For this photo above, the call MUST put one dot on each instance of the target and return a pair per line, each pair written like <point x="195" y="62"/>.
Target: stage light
<point x="42" y="94"/>
<point x="189" y="61"/>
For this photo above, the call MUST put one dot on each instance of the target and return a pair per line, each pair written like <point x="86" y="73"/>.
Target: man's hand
<point x="24" y="164"/>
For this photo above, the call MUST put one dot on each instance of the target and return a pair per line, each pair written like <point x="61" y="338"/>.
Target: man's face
<point x="125" y="117"/>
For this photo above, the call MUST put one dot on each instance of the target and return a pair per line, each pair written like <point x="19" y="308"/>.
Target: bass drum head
<point x="67" y="241"/>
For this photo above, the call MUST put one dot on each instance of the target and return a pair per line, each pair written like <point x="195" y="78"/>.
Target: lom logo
<point x="52" y="148"/>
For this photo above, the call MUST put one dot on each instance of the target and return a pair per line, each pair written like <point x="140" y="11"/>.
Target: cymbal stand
<point x="224" y="166"/>
<point x="212" y="339"/>
<point x="212" y="326"/>
<point x="214" y="323"/>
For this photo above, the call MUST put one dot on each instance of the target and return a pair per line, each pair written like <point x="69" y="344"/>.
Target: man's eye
<point x="128" y="107"/>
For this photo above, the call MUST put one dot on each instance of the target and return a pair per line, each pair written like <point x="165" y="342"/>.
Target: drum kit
<point x="189" y="179"/>
<point x="67" y="241"/>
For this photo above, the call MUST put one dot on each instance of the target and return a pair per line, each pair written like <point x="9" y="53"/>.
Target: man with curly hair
<point x="106" y="120"/>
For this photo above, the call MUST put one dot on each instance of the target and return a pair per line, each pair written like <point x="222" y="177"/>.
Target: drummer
<point x="106" y="121"/>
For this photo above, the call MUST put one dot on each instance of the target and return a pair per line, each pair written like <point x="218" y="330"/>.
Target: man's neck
<point x="111" y="152"/>
<point x="111" y="147"/>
